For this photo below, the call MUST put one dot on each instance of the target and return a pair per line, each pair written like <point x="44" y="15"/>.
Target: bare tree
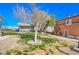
<point x="38" y="17"/>
<point x="21" y="14"/>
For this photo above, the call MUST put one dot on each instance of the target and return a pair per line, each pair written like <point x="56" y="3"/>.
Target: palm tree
<point x="0" y="25"/>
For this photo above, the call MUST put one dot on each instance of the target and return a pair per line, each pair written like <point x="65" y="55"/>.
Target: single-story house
<point x="24" y="27"/>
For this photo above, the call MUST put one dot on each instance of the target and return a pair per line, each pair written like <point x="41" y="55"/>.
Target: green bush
<point x="18" y="52"/>
<point x="8" y="53"/>
<point x="14" y="52"/>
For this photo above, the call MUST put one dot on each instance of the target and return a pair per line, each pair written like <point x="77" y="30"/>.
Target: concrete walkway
<point x="68" y="51"/>
<point x="74" y="41"/>
<point x="7" y="42"/>
<point x="59" y="37"/>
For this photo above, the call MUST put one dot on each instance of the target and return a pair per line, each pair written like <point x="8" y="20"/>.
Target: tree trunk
<point x="35" y="39"/>
<point x="36" y="32"/>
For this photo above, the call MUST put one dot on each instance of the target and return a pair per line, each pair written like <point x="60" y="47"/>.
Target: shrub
<point x="9" y="32"/>
<point x="18" y="52"/>
<point x="14" y="52"/>
<point x="8" y="53"/>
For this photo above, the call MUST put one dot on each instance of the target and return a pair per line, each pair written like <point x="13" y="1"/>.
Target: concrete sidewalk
<point x="65" y="39"/>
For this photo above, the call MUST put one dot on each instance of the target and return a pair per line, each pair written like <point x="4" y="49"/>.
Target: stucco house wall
<point x="72" y="29"/>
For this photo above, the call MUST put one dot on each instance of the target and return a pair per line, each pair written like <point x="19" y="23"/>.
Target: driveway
<point x="7" y="42"/>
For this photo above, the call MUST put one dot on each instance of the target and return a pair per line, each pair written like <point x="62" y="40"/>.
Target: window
<point x="68" y="22"/>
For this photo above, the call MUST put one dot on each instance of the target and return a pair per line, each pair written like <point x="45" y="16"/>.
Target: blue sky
<point x="59" y="10"/>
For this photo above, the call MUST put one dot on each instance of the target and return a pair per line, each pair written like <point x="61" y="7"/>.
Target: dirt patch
<point x="8" y="43"/>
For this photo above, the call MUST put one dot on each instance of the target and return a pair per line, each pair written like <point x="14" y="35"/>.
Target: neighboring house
<point x="15" y="28"/>
<point x="24" y="27"/>
<point x="68" y="26"/>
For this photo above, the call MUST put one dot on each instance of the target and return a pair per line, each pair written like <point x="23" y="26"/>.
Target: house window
<point x="68" y="22"/>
